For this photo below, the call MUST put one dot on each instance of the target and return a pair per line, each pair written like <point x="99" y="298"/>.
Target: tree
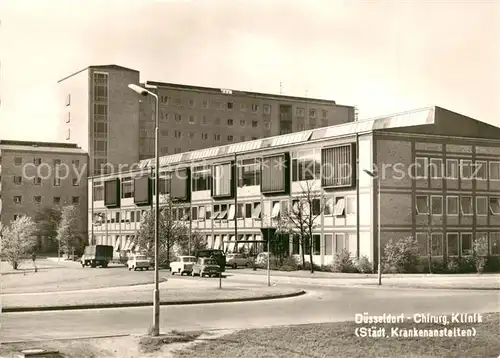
<point x="47" y="222"/>
<point x="70" y="233"/>
<point x="301" y="219"/>
<point x="185" y="245"/>
<point x="18" y="240"/>
<point x="170" y="231"/>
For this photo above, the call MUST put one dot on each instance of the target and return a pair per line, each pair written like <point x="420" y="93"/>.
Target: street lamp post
<point x="268" y="232"/>
<point x="379" y="266"/>
<point x="156" y="295"/>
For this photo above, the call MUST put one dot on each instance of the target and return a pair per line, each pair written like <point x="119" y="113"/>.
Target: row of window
<point x="178" y="118"/>
<point x="18" y="161"/>
<point x="37" y="199"/>
<point x="457" y="205"/>
<point x="465" y="169"/>
<point x="456" y="244"/>
<point x="18" y="180"/>
<point x="177" y="135"/>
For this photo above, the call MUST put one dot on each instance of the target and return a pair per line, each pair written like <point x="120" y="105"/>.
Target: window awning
<point x="495" y="206"/>
<point x="339" y="207"/>
<point x="276" y="210"/>
<point x="256" y="212"/>
<point x="231" y="212"/>
<point x="210" y="241"/>
<point x="222" y="215"/>
<point x="217" y="242"/>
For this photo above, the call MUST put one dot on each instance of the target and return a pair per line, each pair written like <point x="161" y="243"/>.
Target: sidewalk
<point x="447" y="281"/>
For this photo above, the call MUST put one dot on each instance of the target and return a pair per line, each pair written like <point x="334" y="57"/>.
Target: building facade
<point x="35" y="175"/>
<point x="115" y="125"/>
<point x="438" y="172"/>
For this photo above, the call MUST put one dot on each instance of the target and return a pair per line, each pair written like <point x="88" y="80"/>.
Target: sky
<point x="382" y="56"/>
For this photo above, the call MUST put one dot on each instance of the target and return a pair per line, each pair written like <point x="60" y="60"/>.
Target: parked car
<point x="235" y="260"/>
<point x="97" y="255"/>
<point x="183" y="265"/>
<point x="138" y="262"/>
<point x="217" y="255"/>
<point x="206" y="266"/>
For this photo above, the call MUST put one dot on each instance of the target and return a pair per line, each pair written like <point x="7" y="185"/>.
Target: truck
<point x="97" y="255"/>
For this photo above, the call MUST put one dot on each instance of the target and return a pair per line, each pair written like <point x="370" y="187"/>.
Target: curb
<point x="145" y="304"/>
<point x="446" y="288"/>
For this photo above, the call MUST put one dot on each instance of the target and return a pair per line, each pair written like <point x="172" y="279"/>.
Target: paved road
<point x="321" y="304"/>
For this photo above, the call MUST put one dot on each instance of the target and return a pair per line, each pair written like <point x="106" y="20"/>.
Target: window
<point x="204" y="136"/>
<point x="422" y="205"/>
<point x="267" y="125"/>
<point x="452" y="205"/>
<point x="18" y="161"/>
<point x="452" y="244"/>
<point x="164" y="132"/>
<point x="100" y="86"/>
<point x="216" y="136"/>
<point x="312" y="113"/>
<point x="316" y="244"/>
<point x="68" y="99"/>
<point x="191" y="135"/>
<point x="222" y="179"/>
<point x="329" y="207"/>
<point x="18" y="180"/>
<point x="306" y="165"/>
<point x="100" y="146"/>
<point x="57" y="162"/>
<point x="75" y="182"/>
<point x="194" y="213"/>
<point x="37" y="161"/>
<point x="230" y="105"/>
<point x="451" y="169"/>
<point x="243" y="122"/>
<point x="466" y="244"/>
<point x="132" y="216"/>
<point x="75" y="200"/>
<point x="177" y="150"/>
<point x="274" y="174"/>
<point x="316" y="206"/>
<point x="422" y="243"/>
<point x="37" y="199"/>
<point x="229" y="122"/>
<point x="127" y="187"/>
<point x="495" y="243"/>
<point x="340" y="243"/>
<point x="68" y="134"/>
<point x="243" y="107"/>
<point x="324" y="113"/>
<point x="437" y="205"/>
<point x="255" y="108"/>
<point x="178" y="118"/>
<point x="100" y="128"/>
<point x="436" y="168"/>
<point x="300" y="112"/>
<point x="201" y="178"/>
<point x="100" y="111"/>
<point x="465" y="169"/>
<point x="18" y="199"/>
<point x="495" y="206"/>
<point x="421" y="168"/>
<point x="437" y="244"/>
<point x="191" y="102"/>
<point x="483" y="251"/>
<point x="481" y="205"/>
<point x="17" y="216"/>
<point x="37" y="181"/>
<point x="192" y="119"/>
<point x="479" y="172"/>
<point x="494" y="169"/>
<point x="164" y="99"/>
<point x="68" y="118"/>
<point x="204" y="120"/>
<point x="76" y="163"/>
<point x="249" y="172"/>
<point x="208" y="212"/>
<point x="177" y="134"/>
<point x="204" y="103"/>
<point x="338" y="166"/>
<point x="57" y="200"/>
<point x="466" y="205"/>
<point x="267" y="109"/>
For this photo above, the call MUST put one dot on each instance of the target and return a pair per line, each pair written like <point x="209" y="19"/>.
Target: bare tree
<point x="301" y="218"/>
<point x="17" y="240"/>
<point x="183" y="243"/>
<point x="170" y="232"/>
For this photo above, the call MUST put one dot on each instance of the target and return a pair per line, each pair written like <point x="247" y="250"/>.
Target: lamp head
<point x="143" y="92"/>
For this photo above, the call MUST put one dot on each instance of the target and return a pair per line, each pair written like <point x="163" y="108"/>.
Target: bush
<point x="461" y="265"/>
<point x="492" y="264"/>
<point x="401" y="256"/>
<point x="289" y="264"/>
<point x="307" y="266"/>
<point x="364" y="265"/>
<point x="343" y="262"/>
